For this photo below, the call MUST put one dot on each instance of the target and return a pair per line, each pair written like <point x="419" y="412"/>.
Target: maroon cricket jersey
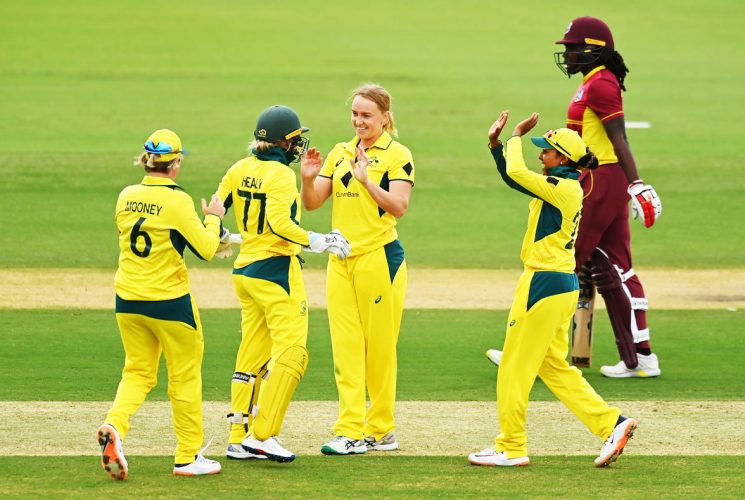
<point x="598" y="99"/>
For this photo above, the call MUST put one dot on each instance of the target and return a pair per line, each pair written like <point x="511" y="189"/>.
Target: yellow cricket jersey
<point x="554" y="212"/>
<point x="157" y="221"/>
<point x="266" y="204"/>
<point x="354" y="212"/>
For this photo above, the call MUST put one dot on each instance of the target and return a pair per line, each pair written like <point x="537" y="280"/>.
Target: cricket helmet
<point x="165" y="143"/>
<point x="565" y="141"/>
<point x="278" y="123"/>
<point x="588" y="31"/>
<point x="588" y="40"/>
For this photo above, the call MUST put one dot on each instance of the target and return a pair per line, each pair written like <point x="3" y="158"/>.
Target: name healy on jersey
<point x="252" y="182"/>
<point x="143" y="208"/>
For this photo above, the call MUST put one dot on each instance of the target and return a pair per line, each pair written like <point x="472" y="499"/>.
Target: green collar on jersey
<point x="564" y="172"/>
<point x="273" y="154"/>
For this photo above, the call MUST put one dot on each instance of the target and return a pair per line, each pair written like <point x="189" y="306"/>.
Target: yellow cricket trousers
<point x="365" y="299"/>
<point x="274" y="317"/>
<point x="182" y="342"/>
<point x="537" y="343"/>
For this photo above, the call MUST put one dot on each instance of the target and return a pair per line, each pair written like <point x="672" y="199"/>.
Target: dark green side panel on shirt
<point x="549" y="221"/>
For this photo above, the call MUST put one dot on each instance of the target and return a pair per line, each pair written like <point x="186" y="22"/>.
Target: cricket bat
<point x="582" y="326"/>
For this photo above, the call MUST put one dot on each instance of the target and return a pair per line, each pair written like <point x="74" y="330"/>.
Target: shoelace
<point x="348" y="443"/>
<point x="200" y="455"/>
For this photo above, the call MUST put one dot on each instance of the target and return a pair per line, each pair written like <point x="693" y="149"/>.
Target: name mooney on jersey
<point x="142" y="207"/>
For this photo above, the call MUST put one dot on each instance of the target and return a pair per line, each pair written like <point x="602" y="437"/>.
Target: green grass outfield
<point x="441" y="357"/>
<point x="85" y="82"/>
<point x="376" y="477"/>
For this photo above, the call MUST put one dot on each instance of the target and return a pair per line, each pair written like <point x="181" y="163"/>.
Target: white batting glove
<point x="645" y="204"/>
<point x="332" y="242"/>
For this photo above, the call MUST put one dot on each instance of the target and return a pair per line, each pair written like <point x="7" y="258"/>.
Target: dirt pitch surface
<point x="428" y="288"/>
<point x="424" y="428"/>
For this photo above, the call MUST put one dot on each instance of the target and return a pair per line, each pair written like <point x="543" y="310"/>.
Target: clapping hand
<point x="310" y="164"/>
<point x="496" y="128"/>
<point x="216" y="207"/>
<point x="526" y="125"/>
<point x="359" y="167"/>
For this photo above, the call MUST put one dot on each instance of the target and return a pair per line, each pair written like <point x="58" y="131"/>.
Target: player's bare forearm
<point x="395" y="201"/>
<point x="308" y="194"/>
<point x="315" y="192"/>
<point x="616" y="130"/>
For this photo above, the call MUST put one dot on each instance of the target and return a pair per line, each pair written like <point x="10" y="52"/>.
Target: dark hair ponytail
<point x="589" y="161"/>
<point x="612" y="60"/>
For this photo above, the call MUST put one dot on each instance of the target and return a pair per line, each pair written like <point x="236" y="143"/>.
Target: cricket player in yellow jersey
<point x="370" y="179"/>
<point x="537" y="340"/>
<point x="272" y="356"/>
<point x="155" y="312"/>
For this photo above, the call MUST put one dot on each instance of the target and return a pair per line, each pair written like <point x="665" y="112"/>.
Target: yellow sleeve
<point x="202" y="238"/>
<point x="402" y="168"/>
<point x="282" y="200"/>
<point x="536" y="184"/>
<point x="224" y="191"/>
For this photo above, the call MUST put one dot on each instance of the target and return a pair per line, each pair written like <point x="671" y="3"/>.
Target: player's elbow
<point x="400" y="209"/>
<point x="310" y="205"/>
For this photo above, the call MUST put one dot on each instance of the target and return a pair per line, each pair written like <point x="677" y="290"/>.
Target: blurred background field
<point x="83" y="83"/>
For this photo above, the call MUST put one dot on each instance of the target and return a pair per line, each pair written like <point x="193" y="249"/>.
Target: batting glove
<point x="645" y="204"/>
<point x="332" y="242"/>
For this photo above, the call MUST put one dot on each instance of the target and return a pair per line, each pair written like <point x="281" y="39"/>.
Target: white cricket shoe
<point x="490" y="457"/>
<point x="112" y="454"/>
<point x="201" y="466"/>
<point x="614" y="445"/>
<point x="648" y="366"/>
<point x="386" y="443"/>
<point x="239" y="452"/>
<point x="494" y="355"/>
<point x="342" y="445"/>
<point x="270" y="448"/>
